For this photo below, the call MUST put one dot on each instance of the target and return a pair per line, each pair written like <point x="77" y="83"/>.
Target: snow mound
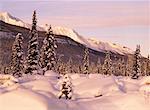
<point x="23" y="99"/>
<point x="51" y="73"/>
<point x="89" y="93"/>
<point x="145" y="85"/>
<point x="40" y="85"/>
<point x="145" y="81"/>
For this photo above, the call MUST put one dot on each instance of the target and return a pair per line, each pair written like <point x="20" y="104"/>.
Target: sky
<point x="124" y="22"/>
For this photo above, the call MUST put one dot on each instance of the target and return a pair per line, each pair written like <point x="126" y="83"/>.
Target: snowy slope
<point x="40" y="93"/>
<point x="7" y="18"/>
<point x="91" y="43"/>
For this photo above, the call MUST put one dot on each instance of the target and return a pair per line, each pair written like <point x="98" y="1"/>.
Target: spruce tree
<point x="48" y="58"/>
<point x="148" y="66"/>
<point x="99" y="66"/>
<point x="115" y="66"/>
<point x="86" y="61"/>
<point x="107" y="66"/>
<point x="66" y="88"/>
<point x="136" y="64"/>
<point x="119" y="67"/>
<point x="33" y="49"/>
<point x="17" y="56"/>
<point x="123" y="67"/>
<point x="129" y="66"/>
<point x="69" y="66"/>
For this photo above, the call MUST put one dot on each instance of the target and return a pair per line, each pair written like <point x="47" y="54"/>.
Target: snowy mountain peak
<point x="91" y="43"/>
<point x="8" y="18"/>
<point x="99" y="45"/>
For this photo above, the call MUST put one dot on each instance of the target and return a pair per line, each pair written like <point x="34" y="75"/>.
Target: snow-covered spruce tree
<point x="32" y="66"/>
<point x="136" y="64"/>
<point x="58" y="64"/>
<point x="123" y="67"/>
<point x="120" y="67"/>
<point x="143" y="67"/>
<point x="148" y="66"/>
<point x="17" y="56"/>
<point x="99" y="66"/>
<point x="92" y="68"/>
<point x="129" y="66"/>
<point x="66" y="88"/>
<point x="48" y="57"/>
<point x="107" y="66"/>
<point x="114" y="65"/>
<point x="69" y="66"/>
<point x="86" y="61"/>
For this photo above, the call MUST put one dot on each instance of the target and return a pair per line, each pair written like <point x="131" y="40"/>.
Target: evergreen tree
<point x="136" y="64"/>
<point x="69" y="66"/>
<point x="143" y="67"/>
<point x="33" y="49"/>
<point x="92" y="68"/>
<point x="115" y="66"/>
<point x="48" y="58"/>
<point x="99" y="66"/>
<point x="148" y="66"/>
<point x="123" y="67"/>
<point x="17" y="56"/>
<point x="79" y="70"/>
<point x="86" y="61"/>
<point x="107" y="66"/>
<point x="119" y="67"/>
<point x="66" y="88"/>
<point x="58" y="64"/>
<point x="129" y="66"/>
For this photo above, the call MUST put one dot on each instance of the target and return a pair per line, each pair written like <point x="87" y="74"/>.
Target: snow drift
<point x="94" y="92"/>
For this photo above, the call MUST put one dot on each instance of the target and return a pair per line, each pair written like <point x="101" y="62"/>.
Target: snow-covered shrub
<point x="98" y="93"/>
<point x="7" y="80"/>
<point x="66" y="87"/>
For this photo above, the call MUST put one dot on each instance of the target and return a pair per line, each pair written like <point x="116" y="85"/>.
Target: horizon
<point x="120" y="22"/>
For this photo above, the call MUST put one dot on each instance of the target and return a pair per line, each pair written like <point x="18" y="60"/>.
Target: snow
<point x="96" y="92"/>
<point x="59" y="30"/>
<point x="91" y="43"/>
<point x="7" y="18"/>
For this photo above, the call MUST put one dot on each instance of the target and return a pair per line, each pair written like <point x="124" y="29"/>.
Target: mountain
<point x="91" y="43"/>
<point x="8" y="18"/>
<point x="70" y="43"/>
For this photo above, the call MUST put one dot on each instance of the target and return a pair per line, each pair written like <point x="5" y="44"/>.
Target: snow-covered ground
<point x="93" y="92"/>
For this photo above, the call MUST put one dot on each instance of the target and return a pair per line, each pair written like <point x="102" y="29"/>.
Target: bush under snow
<point x="7" y="80"/>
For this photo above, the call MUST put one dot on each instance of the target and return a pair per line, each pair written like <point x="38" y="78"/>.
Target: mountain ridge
<point x="58" y="30"/>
